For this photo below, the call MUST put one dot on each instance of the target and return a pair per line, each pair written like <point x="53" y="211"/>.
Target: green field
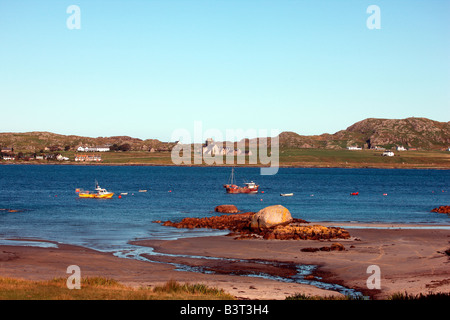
<point x="364" y="158"/>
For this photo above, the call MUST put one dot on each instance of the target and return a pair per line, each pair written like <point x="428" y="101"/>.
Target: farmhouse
<point x="93" y="149"/>
<point x="212" y="149"/>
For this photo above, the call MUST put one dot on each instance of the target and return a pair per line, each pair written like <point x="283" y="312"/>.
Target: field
<point x="364" y="158"/>
<point x="300" y="158"/>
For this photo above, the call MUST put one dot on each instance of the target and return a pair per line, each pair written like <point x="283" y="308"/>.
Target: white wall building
<point x="93" y="149"/>
<point x="212" y="149"/>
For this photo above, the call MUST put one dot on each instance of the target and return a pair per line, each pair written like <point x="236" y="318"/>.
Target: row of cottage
<point x="58" y="157"/>
<point x="93" y="149"/>
<point x="79" y="149"/>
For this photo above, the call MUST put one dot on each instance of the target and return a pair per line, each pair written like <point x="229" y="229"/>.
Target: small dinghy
<point x="286" y="194"/>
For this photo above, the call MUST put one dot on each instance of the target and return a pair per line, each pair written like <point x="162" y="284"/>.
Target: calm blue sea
<point x="50" y="209"/>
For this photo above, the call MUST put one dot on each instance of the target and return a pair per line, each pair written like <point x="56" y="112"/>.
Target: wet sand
<point x="411" y="260"/>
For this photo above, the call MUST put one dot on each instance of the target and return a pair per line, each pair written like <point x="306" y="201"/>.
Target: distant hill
<point x="36" y="141"/>
<point x="420" y="133"/>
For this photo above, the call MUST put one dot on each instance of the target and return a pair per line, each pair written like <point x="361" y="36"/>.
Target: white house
<point x="354" y="148"/>
<point x="59" y="157"/>
<point x="401" y="148"/>
<point x="212" y="149"/>
<point x="388" y="154"/>
<point x="93" y="149"/>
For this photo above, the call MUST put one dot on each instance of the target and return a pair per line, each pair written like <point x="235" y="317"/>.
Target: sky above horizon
<point x="149" y="68"/>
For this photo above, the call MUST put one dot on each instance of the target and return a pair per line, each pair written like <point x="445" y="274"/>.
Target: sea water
<point x="42" y="202"/>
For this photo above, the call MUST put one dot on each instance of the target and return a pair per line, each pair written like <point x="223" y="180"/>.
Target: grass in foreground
<point x="421" y="296"/>
<point x="98" y="288"/>
<point x="302" y="296"/>
<point x="396" y="296"/>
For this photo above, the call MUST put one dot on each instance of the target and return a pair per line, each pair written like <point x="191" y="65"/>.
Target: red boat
<point x="250" y="187"/>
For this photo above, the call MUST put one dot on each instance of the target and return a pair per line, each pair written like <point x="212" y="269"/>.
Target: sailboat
<point x="232" y="187"/>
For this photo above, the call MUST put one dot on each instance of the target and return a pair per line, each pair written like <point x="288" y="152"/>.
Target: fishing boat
<point x="232" y="187"/>
<point x="99" y="193"/>
<point x="286" y="194"/>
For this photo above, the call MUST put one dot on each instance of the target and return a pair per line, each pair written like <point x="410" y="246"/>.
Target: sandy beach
<point x="411" y="260"/>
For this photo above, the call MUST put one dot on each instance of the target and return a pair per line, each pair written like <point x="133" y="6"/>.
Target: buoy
<point x="354" y="193"/>
<point x="262" y="191"/>
<point x="261" y="199"/>
<point x="120" y="197"/>
<point x="384" y="194"/>
<point x="170" y="190"/>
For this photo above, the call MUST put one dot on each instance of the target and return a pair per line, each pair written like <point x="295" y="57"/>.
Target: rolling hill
<point x="419" y="133"/>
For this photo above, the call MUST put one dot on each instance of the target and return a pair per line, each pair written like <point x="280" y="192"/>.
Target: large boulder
<point x="271" y="216"/>
<point x="226" y="208"/>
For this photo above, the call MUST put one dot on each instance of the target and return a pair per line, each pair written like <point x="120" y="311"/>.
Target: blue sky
<point x="146" y="68"/>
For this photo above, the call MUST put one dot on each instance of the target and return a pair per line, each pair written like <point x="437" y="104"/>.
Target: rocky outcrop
<point x="270" y="217"/>
<point x="241" y="226"/>
<point x="298" y="231"/>
<point x="442" y="209"/>
<point x="419" y="133"/>
<point x="226" y="208"/>
<point x="234" y="222"/>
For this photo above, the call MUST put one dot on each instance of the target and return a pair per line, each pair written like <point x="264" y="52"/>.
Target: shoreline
<point x="411" y="260"/>
<point x="313" y="166"/>
<point x="382" y="225"/>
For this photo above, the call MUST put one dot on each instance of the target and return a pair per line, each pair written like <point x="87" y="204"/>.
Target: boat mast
<point x="232" y="176"/>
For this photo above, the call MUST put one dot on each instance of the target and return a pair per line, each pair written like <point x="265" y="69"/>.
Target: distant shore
<point x="287" y="158"/>
<point x="316" y="166"/>
<point x="411" y="260"/>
